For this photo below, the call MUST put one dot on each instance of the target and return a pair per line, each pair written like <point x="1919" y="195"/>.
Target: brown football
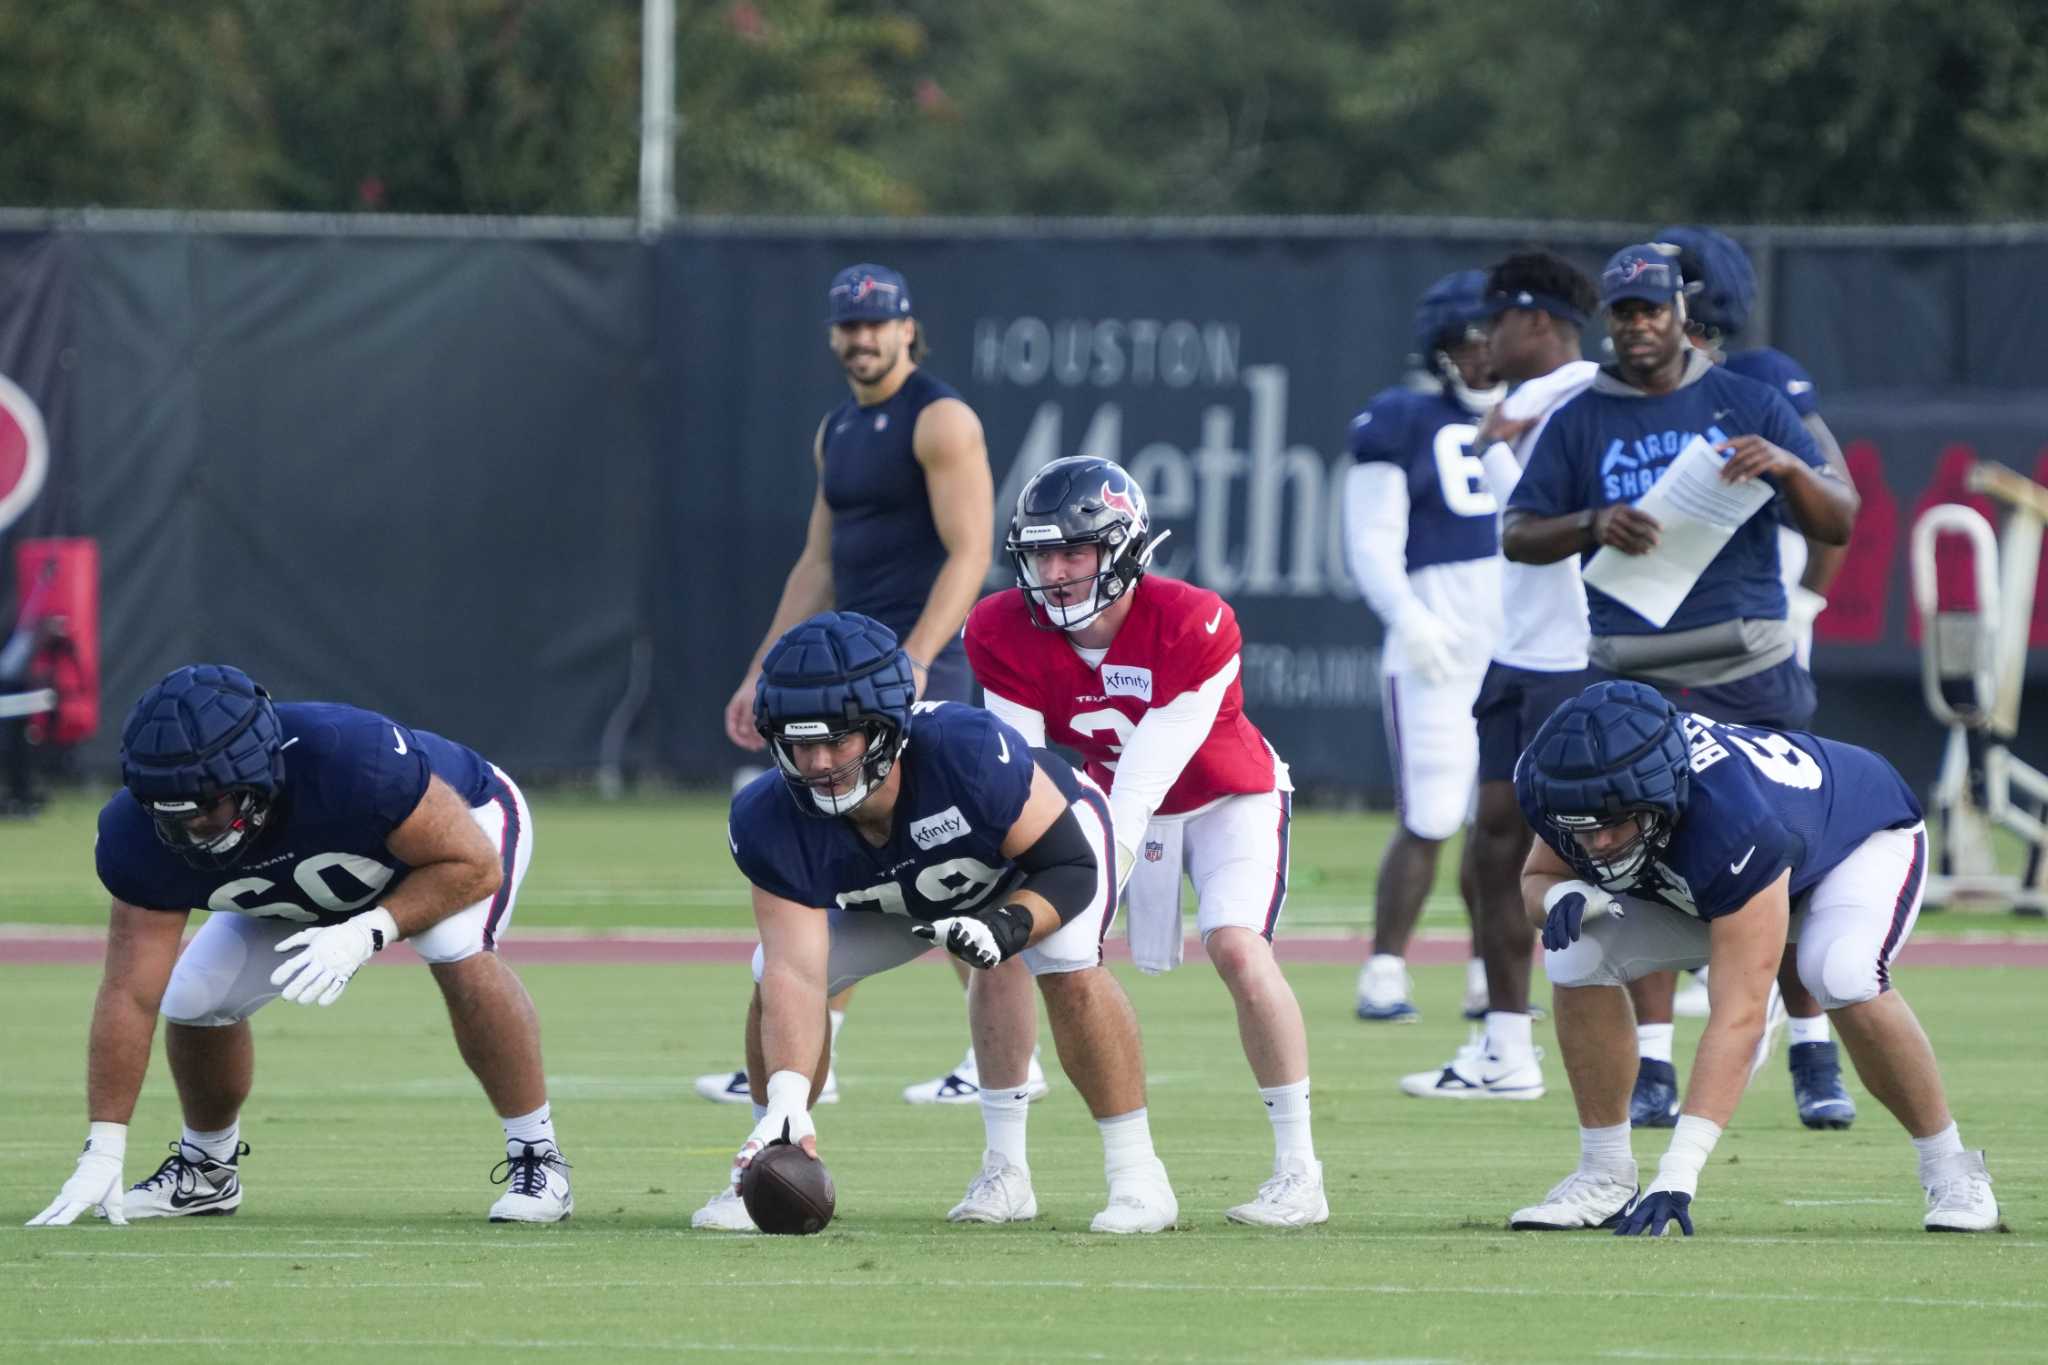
<point x="788" y="1192"/>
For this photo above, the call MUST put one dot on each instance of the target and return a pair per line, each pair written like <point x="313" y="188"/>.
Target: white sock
<point x="1002" y="1119"/>
<point x="1507" y="1034"/>
<point x="1605" y="1149"/>
<point x="1814" y="1030"/>
<point x="1387" y="962"/>
<point x="1126" y="1143"/>
<point x="530" y="1130"/>
<point x="1475" y="975"/>
<point x="1653" y="1041"/>
<point x="1947" y="1142"/>
<point x="838" y="1018"/>
<point x="1287" y="1107"/>
<point x="217" y="1146"/>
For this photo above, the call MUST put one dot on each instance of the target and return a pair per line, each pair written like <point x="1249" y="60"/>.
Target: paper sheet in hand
<point x="1696" y="514"/>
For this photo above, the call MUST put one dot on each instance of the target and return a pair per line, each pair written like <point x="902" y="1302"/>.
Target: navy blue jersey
<point x="965" y="779"/>
<point x="1603" y="448"/>
<point x="350" y="778"/>
<point x="1769" y="365"/>
<point x="1763" y="801"/>
<point x="1451" y="513"/>
<point x="886" y="550"/>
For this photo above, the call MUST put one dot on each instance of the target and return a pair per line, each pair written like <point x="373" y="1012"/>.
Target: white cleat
<point x="536" y="1187"/>
<point x="962" y="1085"/>
<point x="1384" y="992"/>
<point x="1959" y="1197"/>
<point x="1293" y="1198"/>
<point x="730" y="1087"/>
<point x="1001" y="1193"/>
<point x="1583" y="1199"/>
<point x="1140" y="1200"/>
<point x="1691" y="1000"/>
<point x="190" y="1184"/>
<point x="1476" y="1074"/>
<point x="724" y="1212"/>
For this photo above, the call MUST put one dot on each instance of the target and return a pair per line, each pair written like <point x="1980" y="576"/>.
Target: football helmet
<point x="1615" y="752"/>
<point x="837" y="673"/>
<point x="1720" y="282"/>
<point x="1449" y="314"/>
<point x="206" y="731"/>
<point x="1081" y="500"/>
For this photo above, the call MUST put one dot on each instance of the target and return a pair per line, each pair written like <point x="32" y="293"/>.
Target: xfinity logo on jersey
<point x="1628" y="468"/>
<point x="1119" y="680"/>
<point x="948" y="825"/>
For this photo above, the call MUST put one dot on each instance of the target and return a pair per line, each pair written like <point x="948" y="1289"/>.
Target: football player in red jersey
<point x="1139" y="675"/>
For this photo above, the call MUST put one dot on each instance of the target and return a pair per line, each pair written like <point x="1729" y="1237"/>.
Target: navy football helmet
<point x="1615" y="752"/>
<point x="1081" y="500"/>
<point x="205" y="733"/>
<point x="831" y="676"/>
<point x="1720" y="281"/>
<point x="1451" y="312"/>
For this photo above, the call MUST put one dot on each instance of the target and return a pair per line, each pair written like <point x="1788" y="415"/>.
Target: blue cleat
<point x="1655" y="1101"/>
<point x="1817" y="1086"/>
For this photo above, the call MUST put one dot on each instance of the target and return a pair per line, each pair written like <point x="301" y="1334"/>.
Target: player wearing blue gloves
<point x="1667" y="840"/>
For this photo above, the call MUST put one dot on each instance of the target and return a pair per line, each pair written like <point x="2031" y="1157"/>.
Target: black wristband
<point x="1011" y="925"/>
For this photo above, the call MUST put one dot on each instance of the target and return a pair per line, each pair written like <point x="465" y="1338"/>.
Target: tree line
<point x="1773" y="110"/>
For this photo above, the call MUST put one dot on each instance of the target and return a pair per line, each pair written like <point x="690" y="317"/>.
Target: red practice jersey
<point x="1176" y="638"/>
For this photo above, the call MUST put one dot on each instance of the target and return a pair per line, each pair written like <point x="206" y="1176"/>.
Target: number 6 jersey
<point x="1762" y="801"/>
<point x="966" y="776"/>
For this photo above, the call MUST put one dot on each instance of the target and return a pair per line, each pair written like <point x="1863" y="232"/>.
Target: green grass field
<point x="362" y="1235"/>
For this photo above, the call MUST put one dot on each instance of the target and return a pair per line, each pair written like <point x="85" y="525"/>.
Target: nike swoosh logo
<point x="179" y="1201"/>
<point x="1214" y="621"/>
<point x="1002" y="749"/>
<point x="400" y="738"/>
<point x="1737" y="867"/>
<point x="288" y="744"/>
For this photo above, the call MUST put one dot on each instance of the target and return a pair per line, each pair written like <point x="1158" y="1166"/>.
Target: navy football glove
<point x="1567" y="906"/>
<point x="1655" y="1211"/>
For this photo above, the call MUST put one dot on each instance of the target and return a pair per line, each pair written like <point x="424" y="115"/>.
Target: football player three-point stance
<point x="1138" y="674"/>
<point x="1666" y="841"/>
<point x="317" y="835"/>
<point x="900" y="531"/>
<point x="889" y="826"/>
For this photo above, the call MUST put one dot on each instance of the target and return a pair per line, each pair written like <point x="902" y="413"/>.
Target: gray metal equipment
<point x="1973" y="668"/>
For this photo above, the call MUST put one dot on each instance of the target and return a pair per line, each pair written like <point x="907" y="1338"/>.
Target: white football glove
<point x="788" y="1117"/>
<point x="331" y="956"/>
<point x="1802" y="606"/>
<point x="1426" y="639"/>
<point x="96" y="1184"/>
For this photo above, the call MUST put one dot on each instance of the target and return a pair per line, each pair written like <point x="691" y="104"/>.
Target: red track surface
<point x="80" y="949"/>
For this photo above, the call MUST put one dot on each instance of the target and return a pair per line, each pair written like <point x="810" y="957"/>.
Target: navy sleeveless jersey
<point x="1769" y="365"/>
<point x="1603" y="448"/>
<point x="1451" y="512"/>
<point x="1762" y="801"/>
<point x="886" y="550"/>
<point x="965" y="779"/>
<point x="350" y="778"/>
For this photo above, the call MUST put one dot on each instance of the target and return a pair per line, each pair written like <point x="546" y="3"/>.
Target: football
<point x="787" y="1192"/>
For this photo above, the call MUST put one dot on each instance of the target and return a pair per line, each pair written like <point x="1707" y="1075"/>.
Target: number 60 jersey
<point x="1761" y="801"/>
<point x="965" y="779"/>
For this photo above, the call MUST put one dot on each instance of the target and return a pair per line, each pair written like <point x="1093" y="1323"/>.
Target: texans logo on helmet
<point x="1117" y="500"/>
<point x="24" y="451"/>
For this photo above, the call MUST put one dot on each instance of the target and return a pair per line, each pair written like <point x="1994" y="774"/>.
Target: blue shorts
<point x="1513" y="703"/>
<point x="1779" y="698"/>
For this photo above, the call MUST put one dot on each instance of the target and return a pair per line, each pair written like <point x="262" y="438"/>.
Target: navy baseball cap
<point x="1642" y="272"/>
<point x="867" y="293"/>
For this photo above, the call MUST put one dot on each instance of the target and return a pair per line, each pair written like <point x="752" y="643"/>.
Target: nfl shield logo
<point x="1154" y="850"/>
<point x="881" y="421"/>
